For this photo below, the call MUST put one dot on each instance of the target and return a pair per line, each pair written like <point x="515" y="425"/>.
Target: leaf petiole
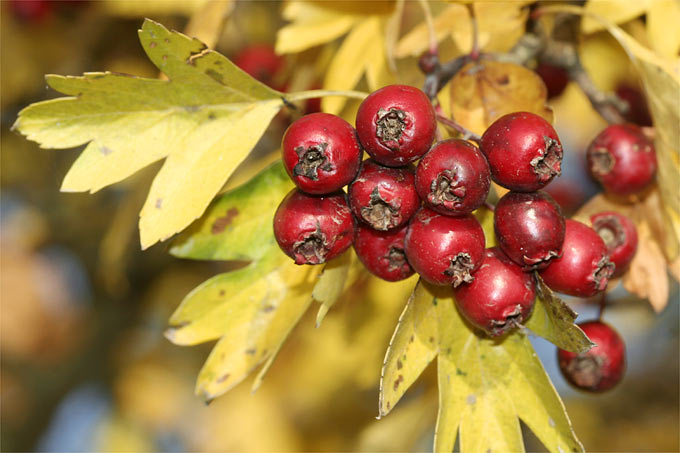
<point x="301" y="95"/>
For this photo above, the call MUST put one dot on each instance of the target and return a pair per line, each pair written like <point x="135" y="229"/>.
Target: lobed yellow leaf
<point x="615" y="11"/>
<point x="663" y="18"/>
<point x="499" y="26"/>
<point x="417" y="41"/>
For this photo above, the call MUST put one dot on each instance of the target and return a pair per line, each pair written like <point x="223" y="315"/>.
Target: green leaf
<point x="412" y="347"/>
<point x="251" y="310"/>
<point x="204" y="120"/>
<point x="238" y="224"/>
<point x="553" y="320"/>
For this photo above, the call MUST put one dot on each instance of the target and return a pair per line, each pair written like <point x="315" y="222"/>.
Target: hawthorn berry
<point x="313" y="230"/>
<point x="444" y="250"/>
<point x="383" y="197"/>
<point x="396" y="124"/>
<point x="620" y="237"/>
<point x="321" y="153"/>
<point x="584" y="269"/>
<point x="529" y="228"/>
<point x="500" y="297"/>
<point x="622" y="159"/>
<point x="638" y="111"/>
<point x="602" y="367"/>
<point x="554" y="77"/>
<point x="523" y="151"/>
<point x="261" y="62"/>
<point x="382" y="252"/>
<point x="453" y="177"/>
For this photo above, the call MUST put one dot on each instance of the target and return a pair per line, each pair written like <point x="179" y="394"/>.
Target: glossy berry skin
<point x="396" y="124"/>
<point x="321" y="153"/>
<point x="584" y="268"/>
<point x="529" y="228"/>
<point x="382" y="252"/>
<point x="622" y="159"/>
<point x="500" y="297"/>
<point x="313" y="230"/>
<point x="453" y="178"/>
<point x="444" y="250"/>
<point x="602" y="367"/>
<point x="620" y="237"/>
<point x="260" y="62"/>
<point x="523" y="151"/>
<point x="383" y="197"/>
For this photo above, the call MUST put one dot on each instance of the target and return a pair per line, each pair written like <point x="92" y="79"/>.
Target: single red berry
<point x="500" y="297"/>
<point x="31" y="11"/>
<point x="260" y="62"/>
<point x="523" y="151"/>
<point x="622" y="159"/>
<point x="453" y="177"/>
<point x="383" y="197"/>
<point x="554" y="77"/>
<point x="321" y="153"/>
<point x="638" y="111"/>
<point x="620" y="237"/>
<point x="602" y="367"/>
<point x="396" y="124"/>
<point x="382" y="252"/>
<point x="529" y="228"/>
<point x="444" y="250"/>
<point x="313" y="230"/>
<point x="584" y="268"/>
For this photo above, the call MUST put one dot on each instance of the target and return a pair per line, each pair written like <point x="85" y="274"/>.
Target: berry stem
<point x="302" y="95"/>
<point x="467" y="134"/>
<point x="474" y="52"/>
<point x="603" y="305"/>
<point x="430" y="26"/>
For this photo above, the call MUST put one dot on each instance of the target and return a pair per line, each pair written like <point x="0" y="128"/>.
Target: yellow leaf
<point x="378" y="73"/>
<point x="616" y="11"/>
<point x="499" y="26"/>
<point x="417" y="41"/>
<point x="411" y="349"/>
<point x="135" y="8"/>
<point x="349" y="63"/>
<point x="663" y="18"/>
<point x="207" y="23"/>
<point x="484" y="91"/>
<point x="333" y="281"/>
<point x="313" y="24"/>
<point x="205" y="120"/>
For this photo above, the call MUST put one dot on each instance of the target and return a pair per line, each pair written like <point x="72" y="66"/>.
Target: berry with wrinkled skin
<point x="382" y="252"/>
<point x="444" y="250"/>
<point x="383" y="197"/>
<point x="523" y="151"/>
<point x="602" y="367"/>
<point x="321" y="153"/>
<point x="313" y="230"/>
<point x="529" y="228"/>
<point x="396" y="124"/>
<point x="622" y="159"/>
<point x="584" y="269"/>
<point x="453" y="178"/>
<point x="500" y="297"/>
<point x="620" y="237"/>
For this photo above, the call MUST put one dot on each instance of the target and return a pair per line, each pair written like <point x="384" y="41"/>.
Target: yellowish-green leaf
<point x="253" y="310"/>
<point x="238" y="224"/>
<point x="332" y="283"/>
<point x="411" y="349"/>
<point x="484" y="91"/>
<point x="349" y="63"/>
<point x="205" y="120"/>
<point x="486" y="384"/>
<point x="553" y="320"/>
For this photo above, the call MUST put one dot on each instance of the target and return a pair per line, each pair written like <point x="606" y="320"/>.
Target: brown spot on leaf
<point x="267" y="308"/>
<point x="159" y="203"/>
<point x="222" y="378"/>
<point x="221" y="223"/>
<point x="388" y="405"/>
<point x="153" y="44"/>
<point x="398" y="381"/>
<point x="410" y="340"/>
<point x="222" y="293"/>
<point x="399" y="365"/>
<point x="251" y="351"/>
<point x="215" y="75"/>
<point x="105" y="150"/>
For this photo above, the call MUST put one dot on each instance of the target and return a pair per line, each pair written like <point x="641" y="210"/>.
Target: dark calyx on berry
<point x="446" y="190"/>
<point x="382" y="252"/>
<point x="460" y="269"/>
<point x="549" y="163"/>
<point x="380" y="214"/>
<point x="620" y="237"/>
<point x="312" y="249"/>
<point x="390" y="126"/>
<point x="311" y="159"/>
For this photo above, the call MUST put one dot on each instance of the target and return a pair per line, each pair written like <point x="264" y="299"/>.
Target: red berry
<point x="523" y="151"/>
<point x="555" y="78"/>
<point x="529" y="228"/>
<point x="260" y="62"/>
<point x="500" y="297"/>
<point x="384" y="197"/>
<point x="396" y="124"/>
<point x="638" y="111"/>
<point x="620" y="237"/>
<point x="321" y="153"/>
<point x="453" y="178"/>
<point x="602" y="367"/>
<point x="313" y="230"/>
<point x="32" y="11"/>
<point x="584" y="268"/>
<point x="444" y="250"/>
<point x="382" y="252"/>
<point x="622" y="159"/>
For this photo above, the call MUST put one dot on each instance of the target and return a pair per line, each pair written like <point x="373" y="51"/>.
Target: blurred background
<point x="84" y="364"/>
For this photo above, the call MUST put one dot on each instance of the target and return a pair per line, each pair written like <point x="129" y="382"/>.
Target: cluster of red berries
<point x="403" y="218"/>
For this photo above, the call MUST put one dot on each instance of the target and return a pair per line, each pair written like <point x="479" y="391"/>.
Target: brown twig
<point x="467" y="134"/>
